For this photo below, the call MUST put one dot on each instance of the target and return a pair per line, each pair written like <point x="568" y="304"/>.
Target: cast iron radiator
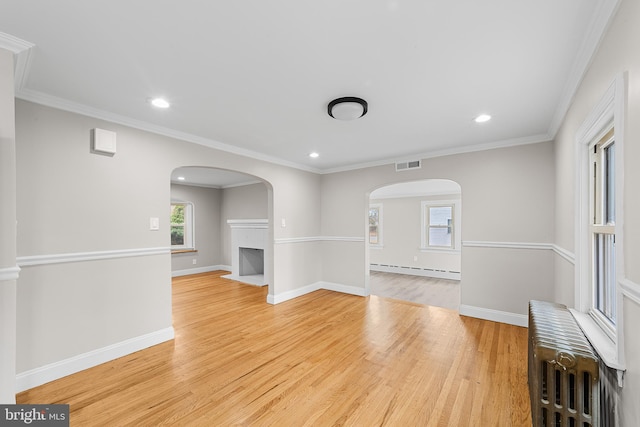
<point x="563" y="369"/>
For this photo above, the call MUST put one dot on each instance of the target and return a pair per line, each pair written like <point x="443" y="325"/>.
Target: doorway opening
<point x="414" y="242"/>
<point x="226" y="209"/>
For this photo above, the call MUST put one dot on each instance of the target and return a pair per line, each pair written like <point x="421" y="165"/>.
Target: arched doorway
<point x="213" y="199"/>
<point x="414" y="242"/>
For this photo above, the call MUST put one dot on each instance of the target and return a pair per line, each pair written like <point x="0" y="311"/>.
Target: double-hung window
<point x="603" y="230"/>
<point x="599" y="261"/>
<point x="440" y="223"/>
<point x="375" y="225"/>
<point x="182" y="226"/>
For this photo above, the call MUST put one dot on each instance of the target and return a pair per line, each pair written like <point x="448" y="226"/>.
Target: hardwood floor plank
<point x="322" y="359"/>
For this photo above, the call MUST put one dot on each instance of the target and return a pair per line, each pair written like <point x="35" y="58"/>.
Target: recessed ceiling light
<point x="181" y="178"/>
<point x="482" y="118"/>
<point x="160" y="103"/>
<point x="314" y="155"/>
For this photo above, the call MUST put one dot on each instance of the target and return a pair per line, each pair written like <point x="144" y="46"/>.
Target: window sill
<point x="440" y="250"/>
<point x="603" y="345"/>
<point x="183" y="251"/>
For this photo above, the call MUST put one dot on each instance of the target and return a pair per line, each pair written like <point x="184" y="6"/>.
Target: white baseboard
<point x="199" y="270"/>
<point x="424" y="272"/>
<point x="345" y="289"/>
<point x="286" y="296"/>
<point x="54" y="371"/>
<point x="494" y="315"/>
<point x="336" y="287"/>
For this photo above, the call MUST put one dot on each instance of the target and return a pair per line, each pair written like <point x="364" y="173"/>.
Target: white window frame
<point x="379" y="207"/>
<point x="189" y="226"/>
<point x="456" y="240"/>
<point x="607" y="338"/>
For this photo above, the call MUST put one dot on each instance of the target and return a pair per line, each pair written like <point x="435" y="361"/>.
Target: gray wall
<point x="8" y="268"/>
<point x="71" y="201"/>
<point x="617" y="53"/>
<point x="208" y="239"/>
<point x="508" y="197"/>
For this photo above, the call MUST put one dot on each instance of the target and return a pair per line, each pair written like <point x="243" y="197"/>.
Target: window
<point x="182" y="226"/>
<point x="375" y="224"/>
<point x="603" y="230"/>
<point x="599" y="261"/>
<point x="439" y="229"/>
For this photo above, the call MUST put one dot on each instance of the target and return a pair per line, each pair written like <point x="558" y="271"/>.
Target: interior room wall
<point x="207" y="203"/>
<point x="402" y="231"/>
<point x="8" y="269"/>
<point x="617" y="54"/>
<point x="95" y="280"/>
<point x="508" y="218"/>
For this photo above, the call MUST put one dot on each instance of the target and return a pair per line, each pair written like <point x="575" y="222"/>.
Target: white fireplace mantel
<point x="247" y="234"/>
<point x="248" y="223"/>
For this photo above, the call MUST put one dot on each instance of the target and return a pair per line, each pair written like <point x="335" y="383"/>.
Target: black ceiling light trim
<point x="342" y="100"/>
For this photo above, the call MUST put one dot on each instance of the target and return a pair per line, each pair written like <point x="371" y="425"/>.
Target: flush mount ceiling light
<point x="160" y="103"/>
<point x="347" y="108"/>
<point x="482" y="118"/>
<point x="314" y="155"/>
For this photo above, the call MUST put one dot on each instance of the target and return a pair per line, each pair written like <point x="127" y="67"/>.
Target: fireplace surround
<point x="248" y="243"/>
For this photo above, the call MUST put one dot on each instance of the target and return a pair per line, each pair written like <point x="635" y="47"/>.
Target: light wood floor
<point x="422" y="290"/>
<point x="323" y="359"/>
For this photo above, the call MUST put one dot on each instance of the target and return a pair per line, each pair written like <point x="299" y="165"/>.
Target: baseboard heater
<point x="416" y="271"/>
<point x="563" y="369"/>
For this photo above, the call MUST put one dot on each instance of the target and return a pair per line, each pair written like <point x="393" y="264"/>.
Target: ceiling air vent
<point x="411" y="164"/>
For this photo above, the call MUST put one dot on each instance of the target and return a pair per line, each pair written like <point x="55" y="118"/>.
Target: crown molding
<point x="74" y="107"/>
<point x="506" y="143"/>
<point x="22" y="51"/>
<point x="600" y="21"/>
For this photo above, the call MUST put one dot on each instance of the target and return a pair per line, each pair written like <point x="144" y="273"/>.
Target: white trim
<point x="514" y="142"/>
<point x="74" y="107"/>
<point x="601" y="342"/>
<point x="456" y="240"/>
<point x="22" y="50"/>
<point x="507" y="245"/>
<point x="494" y="315"/>
<point x="295" y="293"/>
<point x="416" y="271"/>
<point x="630" y="290"/>
<point x="53" y="371"/>
<point x="610" y="110"/>
<point x="284" y="240"/>
<point x="9" y="273"/>
<point x="335" y="287"/>
<point x="248" y="223"/>
<point x="596" y="29"/>
<point x="345" y="289"/>
<point x="569" y="256"/>
<point x="28" y="261"/>
<point x="189" y="271"/>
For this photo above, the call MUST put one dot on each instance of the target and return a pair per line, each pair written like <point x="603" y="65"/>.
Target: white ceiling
<point x="255" y="76"/>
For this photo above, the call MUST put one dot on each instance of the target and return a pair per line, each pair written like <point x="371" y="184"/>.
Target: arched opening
<point x="414" y="232"/>
<point x="207" y="204"/>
